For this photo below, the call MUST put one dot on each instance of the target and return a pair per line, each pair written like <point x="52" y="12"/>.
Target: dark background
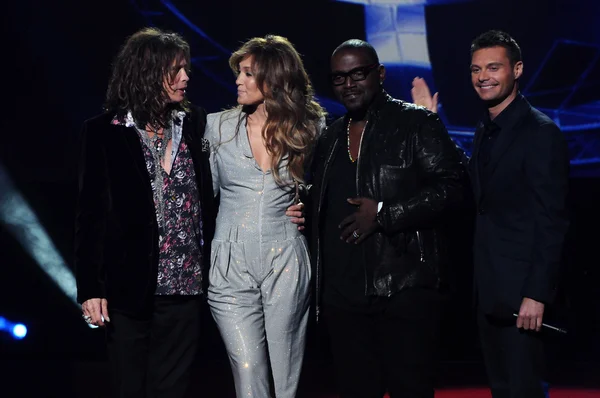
<point x="57" y="57"/>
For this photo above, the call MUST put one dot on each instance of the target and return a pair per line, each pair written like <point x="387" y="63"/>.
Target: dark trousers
<point x="393" y="349"/>
<point x="151" y="357"/>
<point x="514" y="358"/>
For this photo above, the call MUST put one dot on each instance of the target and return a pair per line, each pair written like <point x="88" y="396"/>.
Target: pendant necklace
<point x="158" y="147"/>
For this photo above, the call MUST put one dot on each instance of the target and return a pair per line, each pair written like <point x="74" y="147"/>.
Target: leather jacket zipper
<point x="321" y="195"/>
<point x="359" y="156"/>
<point x="357" y="190"/>
<point x="421" y="247"/>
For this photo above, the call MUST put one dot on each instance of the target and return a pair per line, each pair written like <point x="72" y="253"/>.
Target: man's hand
<point x="422" y="96"/>
<point x="95" y="309"/>
<point x="296" y="212"/>
<point x="530" y="315"/>
<point x="362" y="223"/>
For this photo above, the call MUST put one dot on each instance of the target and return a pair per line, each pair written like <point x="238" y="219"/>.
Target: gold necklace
<point x="348" y="135"/>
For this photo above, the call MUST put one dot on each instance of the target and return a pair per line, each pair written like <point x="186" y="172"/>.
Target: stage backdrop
<point x="57" y="59"/>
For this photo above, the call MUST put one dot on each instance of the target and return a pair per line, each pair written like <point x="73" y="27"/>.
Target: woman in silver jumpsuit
<point x="259" y="280"/>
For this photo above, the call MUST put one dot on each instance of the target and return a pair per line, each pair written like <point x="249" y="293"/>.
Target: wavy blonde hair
<point x="293" y="114"/>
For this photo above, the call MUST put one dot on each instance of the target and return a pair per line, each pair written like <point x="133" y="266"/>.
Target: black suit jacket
<point x="521" y="217"/>
<point x="116" y="237"/>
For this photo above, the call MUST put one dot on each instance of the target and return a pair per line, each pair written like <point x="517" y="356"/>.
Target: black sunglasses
<point x="356" y="74"/>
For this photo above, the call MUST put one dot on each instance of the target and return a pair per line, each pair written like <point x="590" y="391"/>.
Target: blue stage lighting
<point x="20" y="220"/>
<point x="19" y="331"/>
<point x="16" y="330"/>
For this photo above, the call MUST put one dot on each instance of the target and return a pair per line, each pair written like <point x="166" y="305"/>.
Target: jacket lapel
<point x="134" y="145"/>
<point x="473" y="163"/>
<point x="328" y="144"/>
<point x="195" y="146"/>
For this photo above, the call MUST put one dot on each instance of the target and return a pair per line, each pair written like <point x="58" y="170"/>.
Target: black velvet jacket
<point x="116" y="237"/>
<point x="407" y="161"/>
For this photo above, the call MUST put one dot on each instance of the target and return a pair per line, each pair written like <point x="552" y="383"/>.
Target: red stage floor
<point x="483" y="393"/>
<point x="212" y="378"/>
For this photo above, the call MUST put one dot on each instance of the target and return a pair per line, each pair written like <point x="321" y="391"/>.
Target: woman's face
<point x="248" y="92"/>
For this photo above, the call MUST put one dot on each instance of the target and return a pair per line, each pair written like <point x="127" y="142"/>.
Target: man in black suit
<point x="145" y="217"/>
<point x="519" y="171"/>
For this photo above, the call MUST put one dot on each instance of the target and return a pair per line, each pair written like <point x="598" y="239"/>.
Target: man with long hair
<point x="145" y="217"/>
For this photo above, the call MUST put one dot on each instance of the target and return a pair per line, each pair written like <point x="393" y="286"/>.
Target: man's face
<point x="355" y="95"/>
<point x="492" y="75"/>
<point x="176" y="81"/>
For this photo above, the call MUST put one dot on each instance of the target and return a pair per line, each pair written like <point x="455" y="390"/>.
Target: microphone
<point x="504" y="311"/>
<point x="546" y="325"/>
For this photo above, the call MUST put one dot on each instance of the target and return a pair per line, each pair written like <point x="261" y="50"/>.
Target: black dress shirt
<point x="490" y="130"/>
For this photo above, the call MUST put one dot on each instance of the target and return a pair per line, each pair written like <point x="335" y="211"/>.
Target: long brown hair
<point x="293" y="114"/>
<point x="138" y="74"/>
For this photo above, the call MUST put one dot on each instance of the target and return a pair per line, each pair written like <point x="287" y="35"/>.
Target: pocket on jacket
<point x="394" y="180"/>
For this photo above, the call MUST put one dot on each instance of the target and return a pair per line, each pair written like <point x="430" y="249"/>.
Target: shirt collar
<point x="506" y="118"/>
<point x="128" y="120"/>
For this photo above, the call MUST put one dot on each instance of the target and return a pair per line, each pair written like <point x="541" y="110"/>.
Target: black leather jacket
<point x="407" y="161"/>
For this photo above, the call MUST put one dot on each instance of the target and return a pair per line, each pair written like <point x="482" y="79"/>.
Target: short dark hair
<point x="498" y="38"/>
<point x="359" y="45"/>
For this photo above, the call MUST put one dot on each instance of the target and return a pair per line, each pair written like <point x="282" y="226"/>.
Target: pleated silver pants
<point x="259" y="297"/>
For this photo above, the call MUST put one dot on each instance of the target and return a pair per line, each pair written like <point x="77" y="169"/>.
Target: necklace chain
<point x="159" y="143"/>
<point x="348" y="139"/>
<point x="158" y="148"/>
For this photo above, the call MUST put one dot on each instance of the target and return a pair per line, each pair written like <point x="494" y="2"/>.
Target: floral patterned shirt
<point x="180" y="240"/>
<point x="179" y="263"/>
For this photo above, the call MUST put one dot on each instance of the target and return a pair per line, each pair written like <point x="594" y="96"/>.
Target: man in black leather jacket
<point x="383" y="177"/>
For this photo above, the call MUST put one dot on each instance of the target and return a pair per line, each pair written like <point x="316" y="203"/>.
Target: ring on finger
<point x="355" y="234"/>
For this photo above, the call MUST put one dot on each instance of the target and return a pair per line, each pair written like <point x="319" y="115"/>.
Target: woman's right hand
<point x="95" y="311"/>
<point x="296" y="214"/>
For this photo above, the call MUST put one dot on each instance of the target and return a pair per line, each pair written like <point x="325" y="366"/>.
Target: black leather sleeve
<point x="441" y="167"/>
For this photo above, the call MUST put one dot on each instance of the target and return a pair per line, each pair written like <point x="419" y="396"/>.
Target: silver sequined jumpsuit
<point x="259" y="278"/>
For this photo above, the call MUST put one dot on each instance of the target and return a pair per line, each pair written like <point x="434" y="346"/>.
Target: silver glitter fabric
<point x="259" y="279"/>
